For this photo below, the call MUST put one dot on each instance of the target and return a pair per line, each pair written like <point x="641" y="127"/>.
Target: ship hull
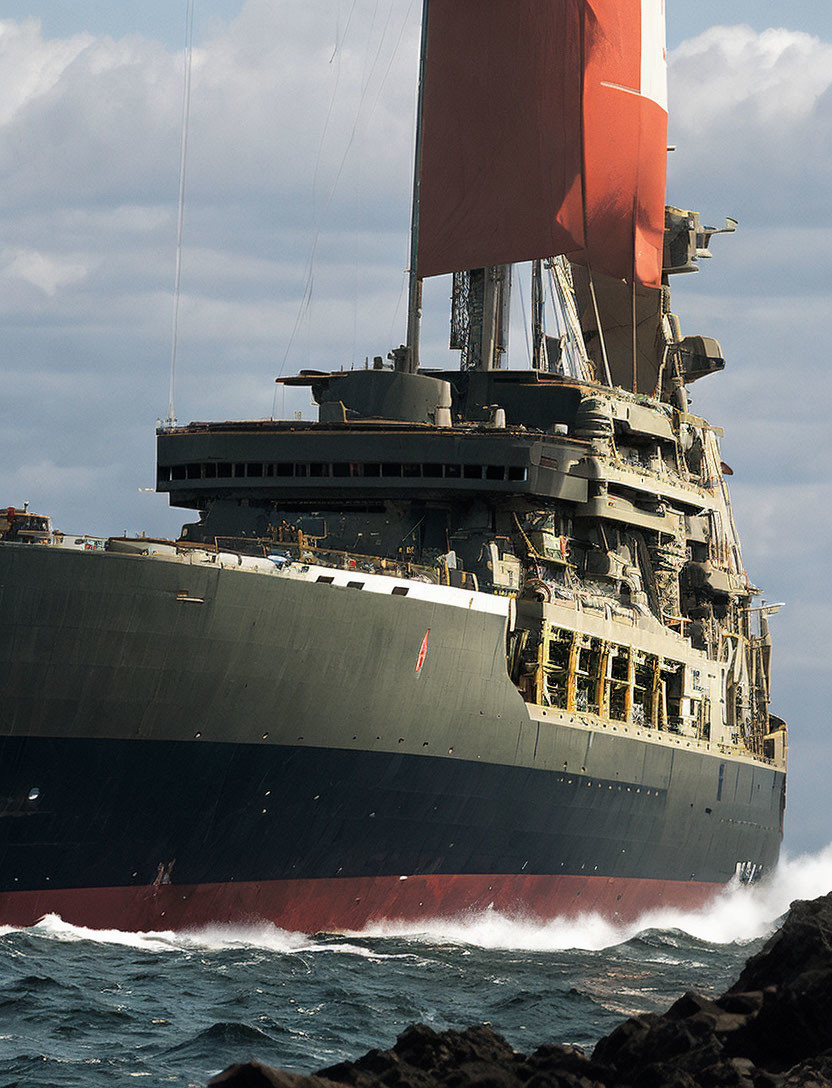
<point x="181" y="747"/>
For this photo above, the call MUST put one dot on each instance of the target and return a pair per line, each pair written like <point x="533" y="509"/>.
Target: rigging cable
<point x="598" y="324"/>
<point x="525" y="322"/>
<point x="180" y="220"/>
<point x="309" y="273"/>
<point x="561" y="281"/>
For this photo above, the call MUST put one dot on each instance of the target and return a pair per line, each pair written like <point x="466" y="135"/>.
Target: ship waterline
<point x="355" y="904"/>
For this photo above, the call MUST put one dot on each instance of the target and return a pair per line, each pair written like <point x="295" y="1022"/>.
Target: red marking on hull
<point x="423" y="651"/>
<point x="349" y="904"/>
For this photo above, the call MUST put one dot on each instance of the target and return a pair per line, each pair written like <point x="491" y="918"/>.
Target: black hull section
<point x="108" y="813"/>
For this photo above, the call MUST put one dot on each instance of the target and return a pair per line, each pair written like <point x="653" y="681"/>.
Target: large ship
<point x="478" y="637"/>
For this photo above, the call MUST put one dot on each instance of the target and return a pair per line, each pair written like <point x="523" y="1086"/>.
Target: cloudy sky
<point x="298" y="187"/>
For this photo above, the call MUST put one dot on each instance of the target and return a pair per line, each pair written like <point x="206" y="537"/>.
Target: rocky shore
<point x="771" y="1029"/>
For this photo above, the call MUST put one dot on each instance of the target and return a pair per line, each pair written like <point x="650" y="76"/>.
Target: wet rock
<point x="257" y="1075"/>
<point x="422" y="1058"/>
<point x="816" y="1073"/>
<point x="794" y="970"/>
<point x="772" y="1029"/>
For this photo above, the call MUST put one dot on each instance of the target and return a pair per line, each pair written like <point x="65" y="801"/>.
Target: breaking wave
<point x="738" y="915"/>
<point x="262" y="936"/>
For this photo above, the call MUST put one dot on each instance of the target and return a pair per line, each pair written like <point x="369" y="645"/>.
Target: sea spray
<point x="740" y="913"/>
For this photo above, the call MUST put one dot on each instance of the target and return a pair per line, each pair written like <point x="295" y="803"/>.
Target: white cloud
<point x="774" y="77"/>
<point x="32" y="66"/>
<point x="97" y="118"/>
<point x="300" y="136"/>
<point x="751" y="114"/>
<point x="47" y="273"/>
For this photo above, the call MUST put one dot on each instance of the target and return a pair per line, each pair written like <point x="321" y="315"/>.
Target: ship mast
<point x="538" y="331"/>
<point x="408" y="361"/>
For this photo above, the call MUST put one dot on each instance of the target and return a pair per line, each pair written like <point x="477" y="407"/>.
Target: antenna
<point x="180" y="220"/>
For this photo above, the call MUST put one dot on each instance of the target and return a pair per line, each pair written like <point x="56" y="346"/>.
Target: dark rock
<point x="772" y="1029"/>
<point x="746" y="1004"/>
<point x="803" y="944"/>
<point x="795" y="970"/>
<point x="690" y="1004"/>
<point x="815" y="1073"/>
<point x="564" y="1067"/>
<point x="257" y="1075"/>
<point x="421" y="1057"/>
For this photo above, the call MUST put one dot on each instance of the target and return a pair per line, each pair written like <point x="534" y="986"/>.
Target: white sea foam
<point x="262" y="936"/>
<point x="739" y="914"/>
<point x="743" y="913"/>
<point x="217" y="938"/>
<point x="55" y="928"/>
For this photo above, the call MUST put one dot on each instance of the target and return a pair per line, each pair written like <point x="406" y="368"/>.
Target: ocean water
<point x="90" y="1009"/>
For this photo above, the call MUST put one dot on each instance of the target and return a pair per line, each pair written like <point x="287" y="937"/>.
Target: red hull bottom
<point x="350" y="904"/>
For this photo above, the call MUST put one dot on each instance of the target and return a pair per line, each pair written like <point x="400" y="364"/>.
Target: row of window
<point x="396" y="591"/>
<point x="213" y="470"/>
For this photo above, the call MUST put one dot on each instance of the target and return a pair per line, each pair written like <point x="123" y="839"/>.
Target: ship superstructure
<point x="476" y="637"/>
<point x="584" y="504"/>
